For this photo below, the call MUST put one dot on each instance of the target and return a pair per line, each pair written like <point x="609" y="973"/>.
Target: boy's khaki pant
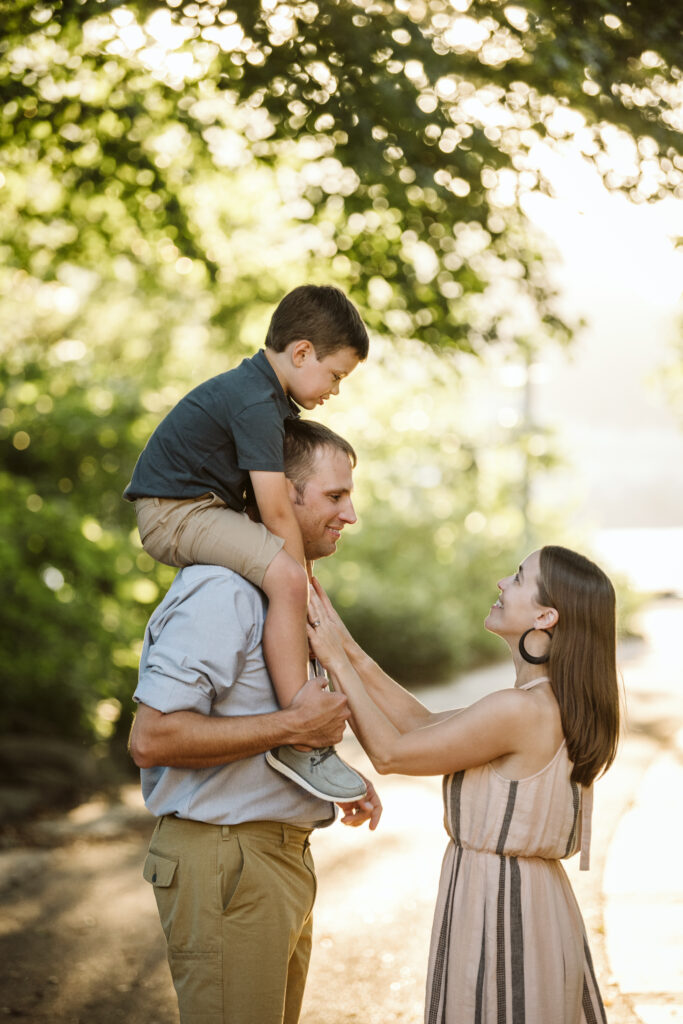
<point x="235" y="903"/>
<point x="204" y="531"/>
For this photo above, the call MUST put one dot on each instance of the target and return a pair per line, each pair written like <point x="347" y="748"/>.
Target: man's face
<point x="325" y="507"/>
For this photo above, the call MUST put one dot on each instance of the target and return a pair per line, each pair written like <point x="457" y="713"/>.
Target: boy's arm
<point x="275" y="507"/>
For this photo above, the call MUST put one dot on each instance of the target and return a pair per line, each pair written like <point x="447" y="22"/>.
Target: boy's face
<point x="312" y="380"/>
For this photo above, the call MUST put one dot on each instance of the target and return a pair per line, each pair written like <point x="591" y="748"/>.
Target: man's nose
<point x="334" y="390"/>
<point x="348" y="512"/>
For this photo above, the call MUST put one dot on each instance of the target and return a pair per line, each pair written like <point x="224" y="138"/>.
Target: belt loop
<point x="225" y="832"/>
<point x="283" y="841"/>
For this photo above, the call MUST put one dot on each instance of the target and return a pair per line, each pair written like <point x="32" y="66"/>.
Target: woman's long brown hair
<point x="582" y="666"/>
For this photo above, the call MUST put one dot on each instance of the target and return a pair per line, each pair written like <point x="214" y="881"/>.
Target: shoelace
<point x="323" y="754"/>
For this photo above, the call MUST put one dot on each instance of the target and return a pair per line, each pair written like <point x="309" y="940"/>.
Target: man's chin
<point x="322" y="551"/>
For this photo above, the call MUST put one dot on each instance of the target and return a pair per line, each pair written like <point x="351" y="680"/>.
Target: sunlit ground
<point x="642" y="881"/>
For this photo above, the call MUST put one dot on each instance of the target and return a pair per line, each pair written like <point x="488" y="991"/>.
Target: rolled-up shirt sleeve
<point x="196" y="643"/>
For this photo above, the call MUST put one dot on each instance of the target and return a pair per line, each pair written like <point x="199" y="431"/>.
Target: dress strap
<point x="534" y="682"/>
<point x="586" y="826"/>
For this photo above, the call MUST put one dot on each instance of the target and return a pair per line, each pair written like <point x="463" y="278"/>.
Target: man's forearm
<point x="187" y="739"/>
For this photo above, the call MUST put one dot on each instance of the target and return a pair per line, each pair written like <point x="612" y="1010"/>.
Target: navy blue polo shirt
<point x="215" y="435"/>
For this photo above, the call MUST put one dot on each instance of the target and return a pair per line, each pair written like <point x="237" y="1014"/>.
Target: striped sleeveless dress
<point x="508" y="942"/>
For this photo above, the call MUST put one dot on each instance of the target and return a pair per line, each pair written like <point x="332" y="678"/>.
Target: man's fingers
<point x="357" y="813"/>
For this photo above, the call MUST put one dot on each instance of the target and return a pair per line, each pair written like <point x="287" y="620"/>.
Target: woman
<point x="508" y="941"/>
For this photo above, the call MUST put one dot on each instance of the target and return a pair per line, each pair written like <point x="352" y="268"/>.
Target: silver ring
<point x="316" y="623"/>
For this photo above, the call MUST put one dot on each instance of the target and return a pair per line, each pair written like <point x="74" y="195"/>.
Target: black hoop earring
<point x="532" y="658"/>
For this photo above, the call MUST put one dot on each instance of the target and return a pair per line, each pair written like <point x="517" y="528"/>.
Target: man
<point x="229" y="858"/>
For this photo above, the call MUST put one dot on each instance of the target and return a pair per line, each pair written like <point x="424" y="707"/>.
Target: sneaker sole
<point x="284" y="769"/>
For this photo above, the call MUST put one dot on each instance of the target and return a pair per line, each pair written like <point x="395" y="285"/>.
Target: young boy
<point x="219" y="449"/>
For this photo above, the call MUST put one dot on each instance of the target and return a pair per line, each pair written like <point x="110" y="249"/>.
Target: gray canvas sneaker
<point x="321" y="772"/>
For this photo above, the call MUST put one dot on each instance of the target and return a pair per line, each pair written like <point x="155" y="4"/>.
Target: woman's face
<point x="517" y="608"/>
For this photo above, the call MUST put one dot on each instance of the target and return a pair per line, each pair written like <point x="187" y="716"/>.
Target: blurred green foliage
<point x="169" y="170"/>
<point x="443" y="507"/>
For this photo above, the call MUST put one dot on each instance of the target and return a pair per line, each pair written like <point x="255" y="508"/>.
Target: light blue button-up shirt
<point x="202" y="652"/>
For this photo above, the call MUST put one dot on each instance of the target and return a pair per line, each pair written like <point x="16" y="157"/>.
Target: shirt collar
<point x="260" y="361"/>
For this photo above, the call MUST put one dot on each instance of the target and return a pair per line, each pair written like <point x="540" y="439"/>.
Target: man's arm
<point x="187" y="739"/>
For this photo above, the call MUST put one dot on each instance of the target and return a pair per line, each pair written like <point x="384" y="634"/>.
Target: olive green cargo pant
<point x="235" y="903"/>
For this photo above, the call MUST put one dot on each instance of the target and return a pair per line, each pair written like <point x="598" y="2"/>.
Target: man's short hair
<point x="322" y="315"/>
<point x="303" y="439"/>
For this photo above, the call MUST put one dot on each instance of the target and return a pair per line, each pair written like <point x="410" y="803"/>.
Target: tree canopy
<point x="402" y="133"/>
<point x="168" y="170"/>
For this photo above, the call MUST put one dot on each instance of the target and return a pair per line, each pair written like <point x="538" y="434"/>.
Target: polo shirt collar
<point x="260" y="361"/>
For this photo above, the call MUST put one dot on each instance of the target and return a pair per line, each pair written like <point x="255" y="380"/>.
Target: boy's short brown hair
<point x="322" y="315"/>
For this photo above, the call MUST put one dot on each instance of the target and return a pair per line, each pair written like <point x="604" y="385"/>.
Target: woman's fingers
<point x="315" y="610"/>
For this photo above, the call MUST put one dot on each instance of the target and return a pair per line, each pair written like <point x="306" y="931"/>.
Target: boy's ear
<point x="300" y="351"/>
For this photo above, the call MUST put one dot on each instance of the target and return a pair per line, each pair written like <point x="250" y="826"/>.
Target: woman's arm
<point x="495" y="726"/>
<point x="404" y="710"/>
<point x="397" y="703"/>
<point x="498" y="725"/>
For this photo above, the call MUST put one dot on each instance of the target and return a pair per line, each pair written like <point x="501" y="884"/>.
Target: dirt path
<point x="80" y="940"/>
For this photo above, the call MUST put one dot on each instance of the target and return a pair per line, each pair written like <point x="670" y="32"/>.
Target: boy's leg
<point x="285" y="643"/>
<point x="204" y="531"/>
<point x="285" y="648"/>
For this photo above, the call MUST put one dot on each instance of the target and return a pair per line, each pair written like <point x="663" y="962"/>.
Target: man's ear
<point x="300" y="351"/>
<point x="546" y="619"/>
<point x="292" y="492"/>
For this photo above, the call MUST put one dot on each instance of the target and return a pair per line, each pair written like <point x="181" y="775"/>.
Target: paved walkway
<point x="643" y="876"/>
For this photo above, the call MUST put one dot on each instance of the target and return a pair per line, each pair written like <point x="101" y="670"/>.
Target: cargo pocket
<point x="159" y="870"/>
<point x="196" y="968"/>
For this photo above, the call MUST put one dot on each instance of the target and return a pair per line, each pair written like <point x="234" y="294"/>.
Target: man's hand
<point x="360" y="811"/>
<point x="320" y="715"/>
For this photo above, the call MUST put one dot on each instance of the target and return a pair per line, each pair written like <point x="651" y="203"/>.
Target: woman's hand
<point x="324" y="637"/>
<point x="332" y="615"/>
